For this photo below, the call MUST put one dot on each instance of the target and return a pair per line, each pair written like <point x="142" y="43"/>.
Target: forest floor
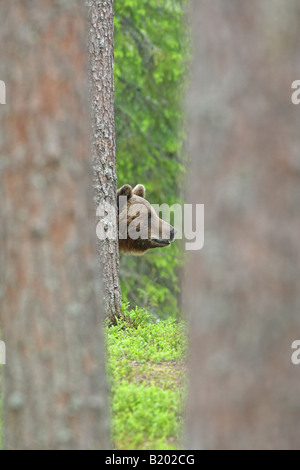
<point x="147" y="374"/>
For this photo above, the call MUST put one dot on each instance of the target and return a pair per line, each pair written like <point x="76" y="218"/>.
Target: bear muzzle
<point x="165" y="241"/>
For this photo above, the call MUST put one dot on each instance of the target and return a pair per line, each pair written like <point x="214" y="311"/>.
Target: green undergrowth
<point x="146" y="370"/>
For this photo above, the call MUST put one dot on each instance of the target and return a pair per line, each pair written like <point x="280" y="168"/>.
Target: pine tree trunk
<point x="101" y="48"/>
<point x="51" y="305"/>
<point x="242" y="290"/>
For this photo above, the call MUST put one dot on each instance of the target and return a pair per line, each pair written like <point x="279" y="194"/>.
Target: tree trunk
<point x="101" y="48"/>
<point x="242" y="290"/>
<point x="51" y="304"/>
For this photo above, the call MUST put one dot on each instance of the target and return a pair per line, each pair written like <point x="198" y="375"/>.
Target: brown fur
<point x="139" y="208"/>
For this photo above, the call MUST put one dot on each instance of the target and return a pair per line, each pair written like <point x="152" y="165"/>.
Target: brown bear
<point x="140" y="228"/>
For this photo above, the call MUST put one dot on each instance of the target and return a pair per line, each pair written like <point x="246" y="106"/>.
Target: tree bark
<point x="101" y="49"/>
<point x="242" y="290"/>
<point x="51" y="302"/>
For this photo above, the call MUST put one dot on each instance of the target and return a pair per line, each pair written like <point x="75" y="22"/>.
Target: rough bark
<point x="101" y="49"/>
<point x="242" y="290"/>
<point x="51" y="302"/>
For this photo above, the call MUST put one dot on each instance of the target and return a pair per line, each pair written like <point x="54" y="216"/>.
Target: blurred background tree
<point x="242" y="289"/>
<point x="150" y="59"/>
<point x="51" y="303"/>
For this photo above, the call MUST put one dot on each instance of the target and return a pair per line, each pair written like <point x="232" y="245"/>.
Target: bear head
<point x="140" y="228"/>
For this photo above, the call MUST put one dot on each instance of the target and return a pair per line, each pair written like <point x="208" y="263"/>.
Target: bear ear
<point x="126" y="190"/>
<point x="139" y="190"/>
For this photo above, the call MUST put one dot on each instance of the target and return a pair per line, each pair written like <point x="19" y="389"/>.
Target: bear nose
<point x="173" y="233"/>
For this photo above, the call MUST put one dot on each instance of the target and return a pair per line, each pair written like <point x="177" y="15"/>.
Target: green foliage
<point x="146" y="372"/>
<point x="142" y="337"/>
<point x="142" y="413"/>
<point x="150" y="55"/>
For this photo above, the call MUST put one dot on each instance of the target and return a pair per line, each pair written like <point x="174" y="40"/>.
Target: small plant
<point x="138" y="316"/>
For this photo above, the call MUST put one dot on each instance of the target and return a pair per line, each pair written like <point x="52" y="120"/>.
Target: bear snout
<point x="173" y="232"/>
